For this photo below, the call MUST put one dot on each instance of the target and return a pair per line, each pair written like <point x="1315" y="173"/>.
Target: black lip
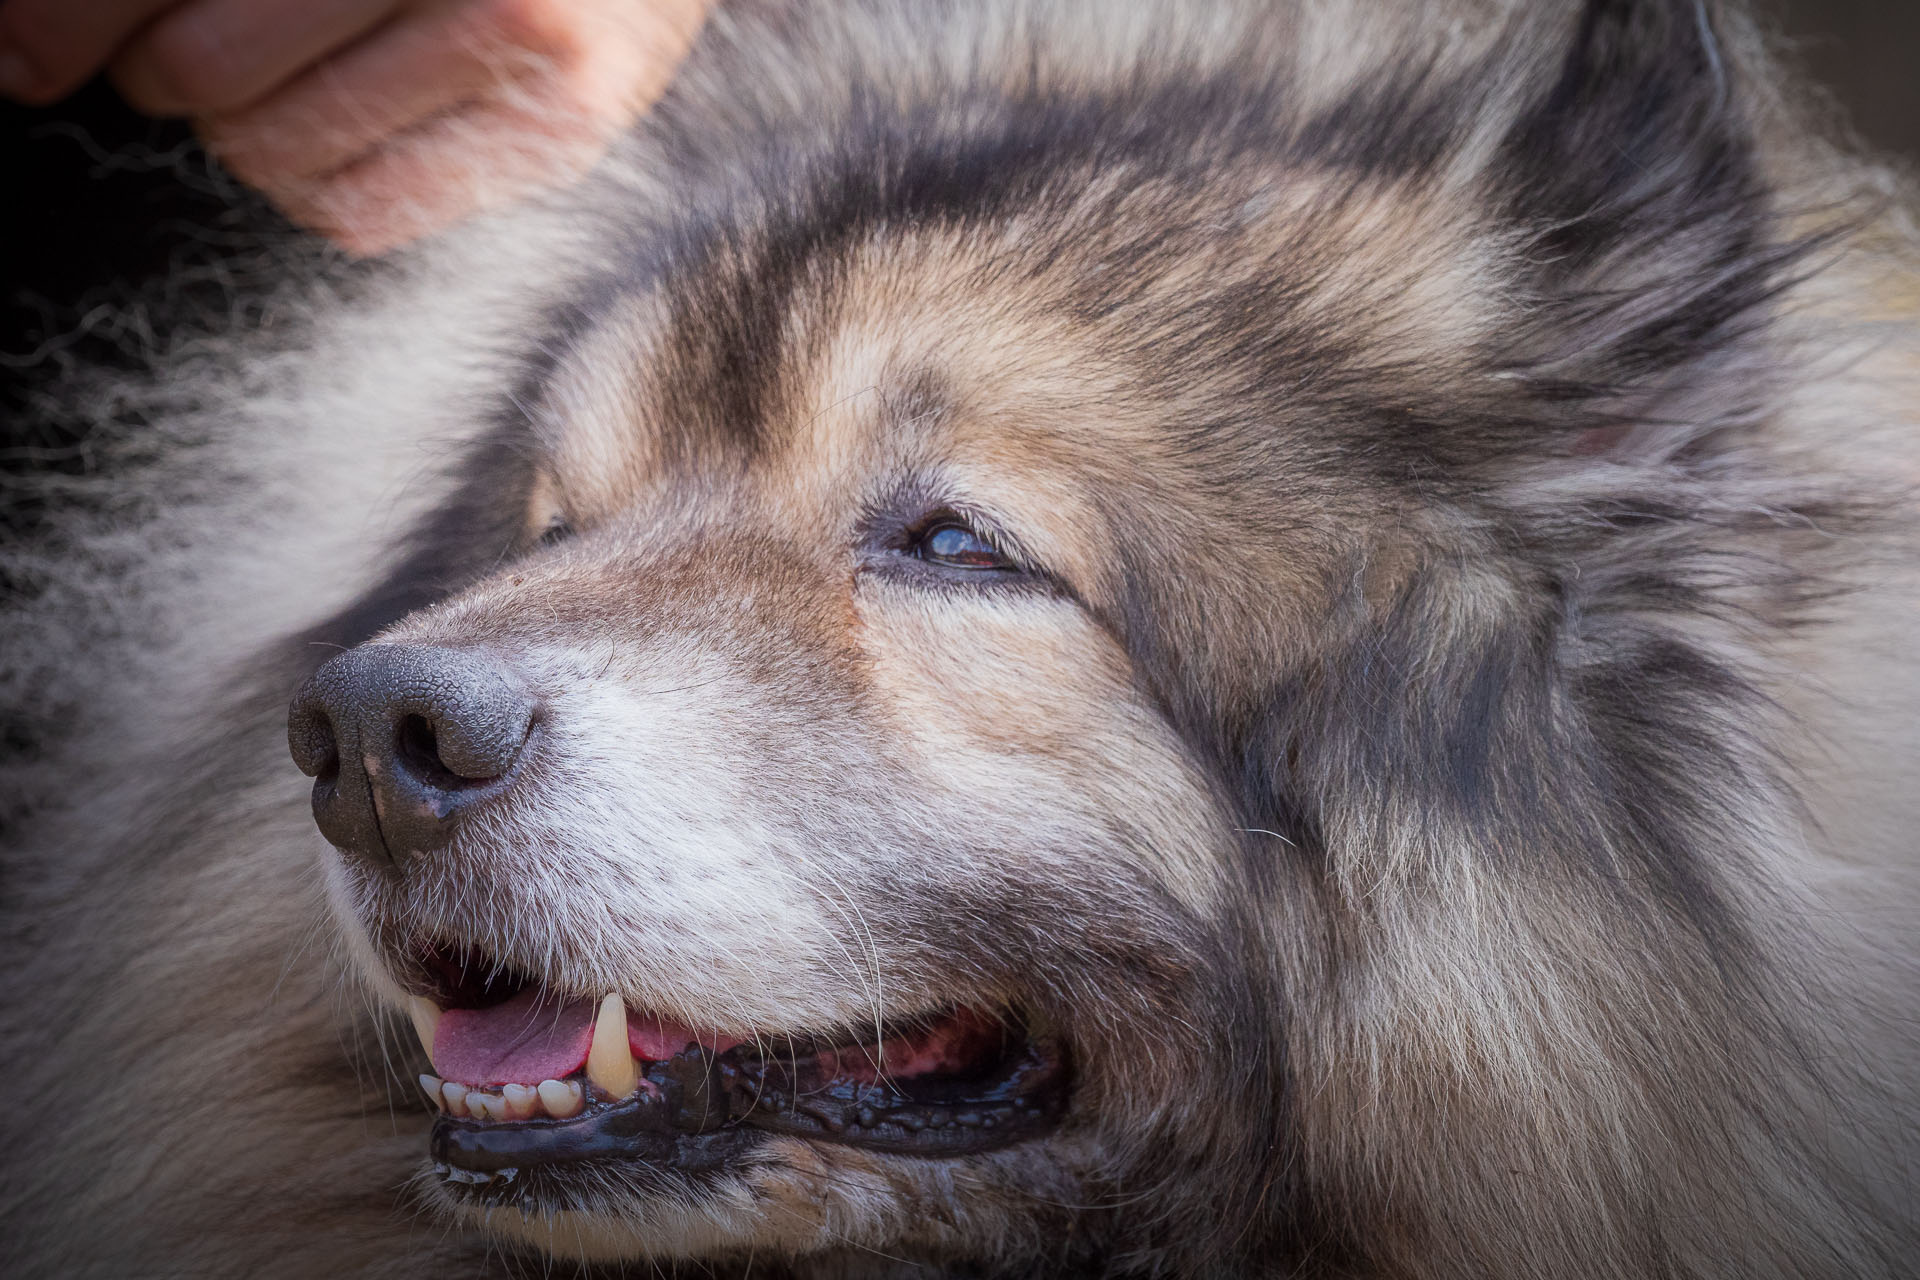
<point x="706" y="1108"/>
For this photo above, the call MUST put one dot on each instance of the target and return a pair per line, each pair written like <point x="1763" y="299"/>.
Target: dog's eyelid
<point x="979" y="524"/>
<point x="898" y="532"/>
<point x="548" y="518"/>
<point x="953" y="542"/>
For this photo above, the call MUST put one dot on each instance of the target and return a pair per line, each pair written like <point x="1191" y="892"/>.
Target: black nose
<point x="401" y="740"/>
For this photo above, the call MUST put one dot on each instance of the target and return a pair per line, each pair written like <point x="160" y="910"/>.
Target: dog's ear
<point x="1556" y="691"/>
<point x="1641" y="131"/>
<point x="1634" y="173"/>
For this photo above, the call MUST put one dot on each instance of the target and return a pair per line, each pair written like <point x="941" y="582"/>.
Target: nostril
<point x="416" y="746"/>
<point x="311" y="738"/>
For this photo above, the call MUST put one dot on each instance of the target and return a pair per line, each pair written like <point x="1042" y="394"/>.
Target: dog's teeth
<point x="433" y="1085"/>
<point x="561" y="1098"/>
<point x="486" y="1106"/>
<point x="523" y="1100"/>
<point x="426" y="1020"/>
<point x="456" y="1096"/>
<point x="610" y="1062"/>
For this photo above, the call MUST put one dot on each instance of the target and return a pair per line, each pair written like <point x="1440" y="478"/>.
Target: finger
<point x="522" y="133"/>
<point x="403" y="73"/>
<point x="211" y="56"/>
<point x="49" y="48"/>
<point x="441" y="171"/>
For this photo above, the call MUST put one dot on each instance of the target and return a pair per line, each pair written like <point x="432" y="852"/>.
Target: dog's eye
<point x="952" y="544"/>
<point x="556" y="532"/>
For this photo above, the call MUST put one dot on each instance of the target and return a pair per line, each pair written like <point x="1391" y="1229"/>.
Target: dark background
<point x="94" y="196"/>
<point x="1868" y="53"/>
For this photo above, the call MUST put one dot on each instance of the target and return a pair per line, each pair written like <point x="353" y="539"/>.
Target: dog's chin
<point x="554" y="1107"/>
<point x="731" y="1218"/>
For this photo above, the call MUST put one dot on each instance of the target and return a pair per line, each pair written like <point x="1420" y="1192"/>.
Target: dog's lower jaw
<point x="808" y="1207"/>
<point x="729" y="1221"/>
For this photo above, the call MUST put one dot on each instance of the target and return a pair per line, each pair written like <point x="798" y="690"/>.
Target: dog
<point x="1033" y="638"/>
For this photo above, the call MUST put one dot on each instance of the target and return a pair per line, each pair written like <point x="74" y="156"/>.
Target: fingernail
<point x="16" y="75"/>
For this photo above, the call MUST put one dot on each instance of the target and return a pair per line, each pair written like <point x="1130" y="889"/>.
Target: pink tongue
<point x="533" y="1037"/>
<point x="527" y="1039"/>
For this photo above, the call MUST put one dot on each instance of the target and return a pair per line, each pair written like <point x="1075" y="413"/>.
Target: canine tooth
<point x="522" y="1100"/>
<point x="610" y="1062"/>
<point x="433" y="1085"/>
<point x="426" y="1020"/>
<point x="561" y="1098"/>
<point x="456" y="1096"/>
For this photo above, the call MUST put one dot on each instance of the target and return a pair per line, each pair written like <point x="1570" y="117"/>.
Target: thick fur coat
<point x="1435" y="742"/>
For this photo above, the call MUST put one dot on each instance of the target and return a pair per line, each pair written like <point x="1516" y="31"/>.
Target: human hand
<point x="370" y="121"/>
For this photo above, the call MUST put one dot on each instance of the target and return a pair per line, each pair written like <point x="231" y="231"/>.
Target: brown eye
<point x="952" y="544"/>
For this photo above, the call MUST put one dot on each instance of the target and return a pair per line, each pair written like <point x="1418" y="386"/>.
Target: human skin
<point x="372" y="122"/>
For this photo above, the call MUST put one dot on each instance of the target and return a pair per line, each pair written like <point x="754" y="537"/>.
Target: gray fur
<point x="1451" y="783"/>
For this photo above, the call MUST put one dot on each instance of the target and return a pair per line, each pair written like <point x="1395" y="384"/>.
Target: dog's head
<point x="1064" y="666"/>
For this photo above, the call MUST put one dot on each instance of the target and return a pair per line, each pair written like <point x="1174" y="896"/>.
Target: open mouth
<point x="527" y="1078"/>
